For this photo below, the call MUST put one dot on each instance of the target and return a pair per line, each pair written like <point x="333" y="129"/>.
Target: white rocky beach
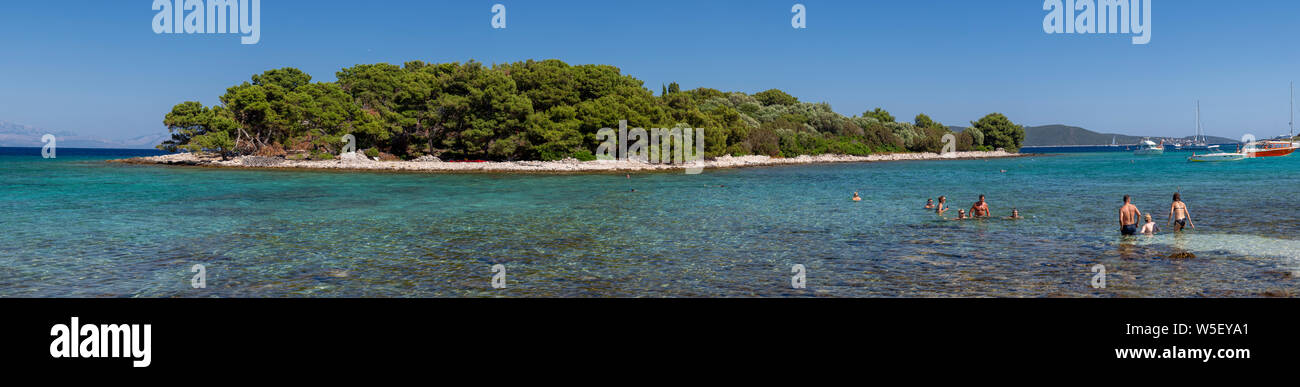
<point x="356" y="161"/>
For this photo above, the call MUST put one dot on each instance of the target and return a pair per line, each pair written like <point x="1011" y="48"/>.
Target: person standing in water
<point x="1128" y="217"/>
<point x="942" y="206"/>
<point x="980" y="209"/>
<point x="1178" y="214"/>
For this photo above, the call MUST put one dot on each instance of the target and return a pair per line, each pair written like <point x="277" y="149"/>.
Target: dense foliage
<point x="532" y="110"/>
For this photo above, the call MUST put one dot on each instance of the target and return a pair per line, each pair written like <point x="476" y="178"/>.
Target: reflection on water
<point x="77" y="227"/>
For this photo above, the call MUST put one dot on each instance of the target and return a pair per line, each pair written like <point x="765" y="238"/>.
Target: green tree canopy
<point x="1000" y="132"/>
<point x="775" y="97"/>
<point x="879" y="114"/>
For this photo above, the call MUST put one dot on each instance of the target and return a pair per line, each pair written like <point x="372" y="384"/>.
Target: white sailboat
<point x="1198" y="141"/>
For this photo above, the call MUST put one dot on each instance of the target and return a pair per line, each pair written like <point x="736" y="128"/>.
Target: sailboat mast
<point x="1292" y="123"/>
<point x="1198" y="122"/>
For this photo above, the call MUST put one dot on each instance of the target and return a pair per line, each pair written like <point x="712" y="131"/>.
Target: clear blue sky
<point x="97" y="68"/>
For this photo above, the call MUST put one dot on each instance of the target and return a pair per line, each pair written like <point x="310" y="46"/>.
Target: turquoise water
<point x="76" y="226"/>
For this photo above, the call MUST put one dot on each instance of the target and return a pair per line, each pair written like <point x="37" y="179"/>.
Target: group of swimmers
<point x="1129" y="214"/>
<point x="979" y="210"/>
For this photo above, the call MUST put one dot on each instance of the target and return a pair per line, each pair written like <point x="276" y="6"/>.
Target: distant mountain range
<point x="1059" y="135"/>
<point x="16" y="135"/>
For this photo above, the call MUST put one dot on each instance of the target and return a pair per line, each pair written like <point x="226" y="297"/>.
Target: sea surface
<point x="76" y="226"/>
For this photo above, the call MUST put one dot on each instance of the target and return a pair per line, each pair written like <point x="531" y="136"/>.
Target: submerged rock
<point x="1278" y="293"/>
<point x="1182" y="255"/>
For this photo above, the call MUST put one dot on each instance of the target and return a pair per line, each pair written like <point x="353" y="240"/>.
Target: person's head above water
<point x="1148" y="218"/>
<point x="1015" y="212"/>
<point x="942" y="199"/>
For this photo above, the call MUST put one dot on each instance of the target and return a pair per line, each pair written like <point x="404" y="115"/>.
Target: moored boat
<point x="1216" y="156"/>
<point x="1269" y="149"/>
<point x="1149" y="148"/>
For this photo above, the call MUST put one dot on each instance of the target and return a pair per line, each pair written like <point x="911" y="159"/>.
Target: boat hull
<point x="1276" y="152"/>
<point x="1217" y="157"/>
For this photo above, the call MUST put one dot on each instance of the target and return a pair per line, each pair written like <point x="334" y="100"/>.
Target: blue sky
<point x="97" y="68"/>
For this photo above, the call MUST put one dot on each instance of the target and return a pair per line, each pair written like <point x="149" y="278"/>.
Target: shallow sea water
<point x="76" y="226"/>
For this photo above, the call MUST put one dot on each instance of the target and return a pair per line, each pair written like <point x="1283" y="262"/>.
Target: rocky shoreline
<point x="356" y="161"/>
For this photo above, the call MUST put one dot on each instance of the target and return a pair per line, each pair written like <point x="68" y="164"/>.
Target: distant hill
<point x="1059" y="135"/>
<point x="16" y="135"/>
<point x="1056" y="135"/>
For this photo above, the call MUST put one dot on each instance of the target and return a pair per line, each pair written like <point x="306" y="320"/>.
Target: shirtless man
<point x="942" y="206"/>
<point x="980" y="209"/>
<point x="856" y="198"/>
<point x="929" y="204"/>
<point x="1128" y="217"/>
<point x="1178" y="214"/>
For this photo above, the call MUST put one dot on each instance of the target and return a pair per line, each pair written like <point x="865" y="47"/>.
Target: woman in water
<point x="929" y="204"/>
<point x="942" y="206"/>
<point x="1178" y="214"/>
<point x="856" y="198"/>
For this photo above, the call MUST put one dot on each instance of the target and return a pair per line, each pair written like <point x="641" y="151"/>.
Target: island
<point x="534" y="115"/>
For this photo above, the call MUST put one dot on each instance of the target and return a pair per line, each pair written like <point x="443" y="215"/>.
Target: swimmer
<point x="961" y="215"/>
<point x="1015" y="214"/>
<point x="929" y="204"/>
<point x="980" y="209"/>
<point x="1178" y="214"/>
<point x="856" y="198"/>
<point x="1128" y="217"/>
<point x="1150" y="227"/>
<point x="942" y="207"/>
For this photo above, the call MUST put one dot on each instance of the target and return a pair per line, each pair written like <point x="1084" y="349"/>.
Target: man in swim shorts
<point x="1128" y="217"/>
<point x="980" y="209"/>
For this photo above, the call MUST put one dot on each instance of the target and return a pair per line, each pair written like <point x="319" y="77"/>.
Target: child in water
<point x="1150" y="227"/>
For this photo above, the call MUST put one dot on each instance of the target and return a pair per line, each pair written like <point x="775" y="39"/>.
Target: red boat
<point x="1269" y="149"/>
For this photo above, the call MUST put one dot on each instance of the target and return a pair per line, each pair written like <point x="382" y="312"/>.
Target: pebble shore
<point x="355" y="161"/>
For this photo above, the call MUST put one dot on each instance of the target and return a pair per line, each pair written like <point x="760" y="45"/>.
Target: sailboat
<point x="1198" y="141"/>
<point x="1294" y="144"/>
<point x="1276" y="147"/>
